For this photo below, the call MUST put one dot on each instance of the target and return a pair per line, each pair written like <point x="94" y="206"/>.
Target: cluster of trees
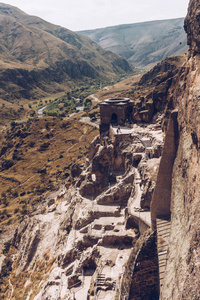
<point x="67" y="104"/>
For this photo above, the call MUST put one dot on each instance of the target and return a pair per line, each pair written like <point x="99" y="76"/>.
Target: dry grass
<point x="130" y="87"/>
<point x="37" y="159"/>
<point x="27" y="280"/>
<point x="118" y="89"/>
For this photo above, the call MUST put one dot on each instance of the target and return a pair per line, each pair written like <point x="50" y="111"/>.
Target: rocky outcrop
<point x="192" y="26"/>
<point x="149" y="181"/>
<point x="161" y="77"/>
<point x="160" y="205"/>
<point x="78" y="239"/>
<point x="118" y="194"/>
<point x="109" y="159"/>
<point x="182" y="271"/>
<point x="145" y="283"/>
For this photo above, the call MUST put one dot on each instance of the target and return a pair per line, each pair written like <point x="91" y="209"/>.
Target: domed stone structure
<point x="116" y="111"/>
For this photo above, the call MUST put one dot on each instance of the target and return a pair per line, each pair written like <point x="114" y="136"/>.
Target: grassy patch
<point x="35" y="158"/>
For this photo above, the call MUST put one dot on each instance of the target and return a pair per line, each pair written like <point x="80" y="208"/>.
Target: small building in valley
<point x="116" y="111"/>
<point x="123" y="111"/>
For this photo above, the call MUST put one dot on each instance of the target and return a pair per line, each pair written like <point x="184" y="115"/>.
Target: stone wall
<point x="145" y="279"/>
<point x="160" y="205"/>
<point x="107" y="110"/>
<point x="182" y="275"/>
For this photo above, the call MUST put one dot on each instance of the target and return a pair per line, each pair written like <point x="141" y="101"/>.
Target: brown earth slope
<point x="35" y="158"/>
<point x="38" y="59"/>
<point x="143" y="44"/>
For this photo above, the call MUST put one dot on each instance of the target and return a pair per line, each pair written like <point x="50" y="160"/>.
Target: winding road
<point x="134" y="204"/>
<point x="40" y="111"/>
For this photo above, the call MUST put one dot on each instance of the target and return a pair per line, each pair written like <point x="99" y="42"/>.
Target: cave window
<point x="128" y="114"/>
<point x="114" y="119"/>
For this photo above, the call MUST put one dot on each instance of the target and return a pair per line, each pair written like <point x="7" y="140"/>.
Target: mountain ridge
<point x="50" y="55"/>
<point x="143" y="43"/>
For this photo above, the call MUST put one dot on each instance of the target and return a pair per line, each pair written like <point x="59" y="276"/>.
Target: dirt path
<point x="86" y="120"/>
<point x="134" y="207"/>
<point x="94" y="98"/>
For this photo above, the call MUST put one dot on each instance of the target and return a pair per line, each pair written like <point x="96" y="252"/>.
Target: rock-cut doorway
<point x="114" y="120"/>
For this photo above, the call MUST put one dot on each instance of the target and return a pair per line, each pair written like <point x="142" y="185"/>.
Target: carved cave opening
<point x="114" y="119"/>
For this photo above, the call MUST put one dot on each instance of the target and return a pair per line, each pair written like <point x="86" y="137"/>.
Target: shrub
<point x="24" y="210"/>
<point x="3" y="195"/>
<point x="65" y="125"/>
<point x="44" y="146"/>
<point x="5" y="202"/>
<point x="88" y="102"/>
<point x="15" y="194"/>
<point x="7" y="246"/>
<point x="6" y="164"/>
<point x="92" y="115"/>
<point x="32" y="113"/>
<point x="31" y="144"/>
<point x="13" y="124"/>
<point x="62" y="115"/>
<point x="47" y="126"/>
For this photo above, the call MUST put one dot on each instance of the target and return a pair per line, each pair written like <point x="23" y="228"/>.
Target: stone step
<point x="162" y="254"/>
<point x="163" y="232"/>
<point x="163" y="225"/>
<point x="161" y="221"/>
<point x="164" y="243"/>
<point x="162" y="246"/>
<point x="161" y="228"/>
<point x="100" y="280"/>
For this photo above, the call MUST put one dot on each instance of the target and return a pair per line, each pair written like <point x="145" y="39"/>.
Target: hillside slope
<point x="38" y="57"/>
<point x="143" y="43"/>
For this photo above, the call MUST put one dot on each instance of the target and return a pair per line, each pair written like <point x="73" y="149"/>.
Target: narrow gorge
<point x="125" y="223"/>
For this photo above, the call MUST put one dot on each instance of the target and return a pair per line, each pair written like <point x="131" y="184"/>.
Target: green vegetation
<point x="61" y="107"/>
<point x="66" y="104"/>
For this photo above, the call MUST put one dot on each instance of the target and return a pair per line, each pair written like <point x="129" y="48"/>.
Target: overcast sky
<point x="90" y="14"/>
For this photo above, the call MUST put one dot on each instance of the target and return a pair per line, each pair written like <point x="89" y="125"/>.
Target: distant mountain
<point x="143" y="44"/>
<point x="37" y="56"/>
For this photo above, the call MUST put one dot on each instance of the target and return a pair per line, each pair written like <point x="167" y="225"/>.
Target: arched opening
<point x="114" y="119"/>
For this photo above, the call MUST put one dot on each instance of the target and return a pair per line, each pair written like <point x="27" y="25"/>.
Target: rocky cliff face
<point x="183" y="273"/>
<point x="79" y="241"/>
<point x="192" y="26"/>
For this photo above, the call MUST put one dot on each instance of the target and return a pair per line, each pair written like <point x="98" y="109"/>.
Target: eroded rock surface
<point x="181" y="279"/>
<point x="77" y="242"/>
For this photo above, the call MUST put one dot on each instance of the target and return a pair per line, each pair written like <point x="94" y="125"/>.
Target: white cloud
<point x="86" y="14"/>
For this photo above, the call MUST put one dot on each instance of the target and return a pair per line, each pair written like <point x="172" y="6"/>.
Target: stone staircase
<point x="100" y="280"/>
<point x="163" y="225"/>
